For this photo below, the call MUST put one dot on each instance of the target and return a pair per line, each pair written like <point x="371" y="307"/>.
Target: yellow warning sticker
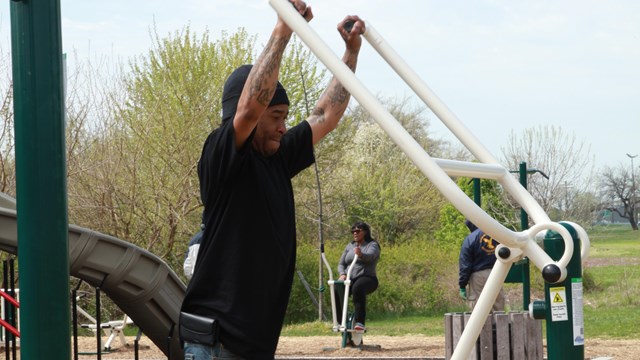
<point x="559" y="310"/>
<point x="557" y="298"/>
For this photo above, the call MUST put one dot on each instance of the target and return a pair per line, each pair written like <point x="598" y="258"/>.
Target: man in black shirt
<point x="246" y="260"/>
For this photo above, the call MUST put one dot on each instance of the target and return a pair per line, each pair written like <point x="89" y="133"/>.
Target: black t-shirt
<point x="246" y="260"/>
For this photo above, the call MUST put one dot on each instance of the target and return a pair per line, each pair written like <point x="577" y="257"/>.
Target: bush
<point x="414" y="277"/>
<point x="589" y="281"/>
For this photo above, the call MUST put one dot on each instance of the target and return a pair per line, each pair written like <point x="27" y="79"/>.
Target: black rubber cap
<point x="551" y="273"/>
<point x="504" y="252"/>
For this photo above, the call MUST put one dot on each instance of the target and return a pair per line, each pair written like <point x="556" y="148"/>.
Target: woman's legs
<point x="361" y="287"/>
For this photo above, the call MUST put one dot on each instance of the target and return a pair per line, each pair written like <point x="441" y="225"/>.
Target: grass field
<point x="611" y="298"/>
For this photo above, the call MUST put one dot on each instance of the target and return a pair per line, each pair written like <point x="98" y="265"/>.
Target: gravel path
<point x="413" y="346"/>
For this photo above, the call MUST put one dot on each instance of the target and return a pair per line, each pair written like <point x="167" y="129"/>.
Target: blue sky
<point x="499" y="65"/>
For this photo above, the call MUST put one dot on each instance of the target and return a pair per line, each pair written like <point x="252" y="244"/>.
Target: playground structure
<point x="114" y="329"/>
<point x="141" y="284"/>
<point x="513" y="245"/>
<point x="9" y="305"/>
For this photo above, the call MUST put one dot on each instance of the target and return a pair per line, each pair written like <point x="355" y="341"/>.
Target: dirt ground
<point x="413" y="346"/>
<point x="375" y="346"/>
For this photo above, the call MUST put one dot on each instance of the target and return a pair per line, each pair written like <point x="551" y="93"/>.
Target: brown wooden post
<point x="533" y="345"/>
<point x="486" y="339"/>
<point x="448" y="335"/>
<point x="517" y="335"/>
<point x="503" y="339"/>
<point x="458" y="327"/>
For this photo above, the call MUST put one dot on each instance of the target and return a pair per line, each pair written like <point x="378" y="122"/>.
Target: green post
<point x="519" y="272"/>
<point x="565" y="323"/>
<point x="524" y="217"/>
<point x="524" y="225"/>
<point x="41" y="180"/>
<point x="477" y="193"/>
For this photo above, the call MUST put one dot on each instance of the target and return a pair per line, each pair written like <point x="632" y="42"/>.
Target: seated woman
<point x="363" y="275"/>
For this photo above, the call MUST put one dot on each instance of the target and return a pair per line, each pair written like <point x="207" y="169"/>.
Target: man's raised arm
<point x="262" y="80"/>
<point x="334" y="100"/>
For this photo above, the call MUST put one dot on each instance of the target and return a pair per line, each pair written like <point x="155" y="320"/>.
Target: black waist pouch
<point x="198" y="329"/>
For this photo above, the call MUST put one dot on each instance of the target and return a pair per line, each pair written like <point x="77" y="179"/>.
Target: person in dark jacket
<point x="364" y="279"/>
<point x="477" y="258"/>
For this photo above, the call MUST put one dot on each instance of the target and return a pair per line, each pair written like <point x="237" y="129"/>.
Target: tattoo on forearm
<point x="318" y="111"/>
<point x="260" y="88"/>
<point x="317" y="116"/>
<point x="335" y="97"/>
<point x="338" y="94"/>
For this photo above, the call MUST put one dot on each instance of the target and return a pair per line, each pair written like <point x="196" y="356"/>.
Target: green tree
<point x="173" y="101"/>
<point x="381" y="185"/>
<point x="7" y="158"/>
<point x="452" y="229"/>
<point x="567" y="162"/>
<point x="89" y="123"/>
<point x="140" y="182"/>
<point x="620" y="193"/>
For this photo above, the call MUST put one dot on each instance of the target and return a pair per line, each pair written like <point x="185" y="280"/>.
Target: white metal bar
<point x="87" y="315"/>
<point x="471" y="169"/>
<point x="541" y="258"/>
<point x="450" y="120"/>
<point x="397" y="133"/>
<point x="482" y="308"/>
<point x="584" y="239"/>
<point x="332" y="291"/>
<point x="524" y="240"/>
<point x="414" y="151"/>
<point x="347" y="284"/>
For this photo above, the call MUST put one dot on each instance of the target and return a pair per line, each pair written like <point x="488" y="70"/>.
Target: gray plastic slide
<point x="140" y="283"/>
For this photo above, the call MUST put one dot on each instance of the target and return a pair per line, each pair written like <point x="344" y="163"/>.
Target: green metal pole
<point x="564" y="316"/>
<point x="524" y="217"/>
<point x="477" y="193"/>
<point x="41" y="180"/>
<point x="524" y="225"/>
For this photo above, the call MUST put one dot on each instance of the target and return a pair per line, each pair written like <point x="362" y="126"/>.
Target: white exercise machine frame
<point x="438" y="171"/>
<point x="342" y="326"/>
<point x="112" y="329"/>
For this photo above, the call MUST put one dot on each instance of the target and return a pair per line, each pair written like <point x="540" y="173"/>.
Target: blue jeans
<point x="206" y="352"/>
